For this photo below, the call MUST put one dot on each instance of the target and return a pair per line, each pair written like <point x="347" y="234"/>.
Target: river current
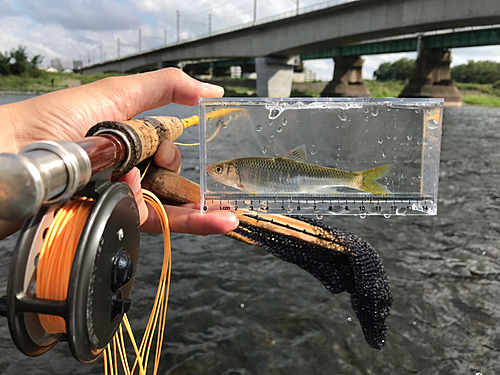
<point x="235" y="309"/>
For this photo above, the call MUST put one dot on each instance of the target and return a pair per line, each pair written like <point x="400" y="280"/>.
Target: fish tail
<point x="368" y="178"/>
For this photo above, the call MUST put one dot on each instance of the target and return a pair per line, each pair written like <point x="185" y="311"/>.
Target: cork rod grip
<point x="142" y="136"/>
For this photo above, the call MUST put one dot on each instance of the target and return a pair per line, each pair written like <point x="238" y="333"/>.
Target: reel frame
<point x="101" y="280"/>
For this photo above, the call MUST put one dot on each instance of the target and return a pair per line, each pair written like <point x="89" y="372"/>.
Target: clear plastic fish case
<point x="284" y="141"/>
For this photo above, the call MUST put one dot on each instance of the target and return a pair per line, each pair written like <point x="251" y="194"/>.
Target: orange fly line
<point x="54" y="269"/>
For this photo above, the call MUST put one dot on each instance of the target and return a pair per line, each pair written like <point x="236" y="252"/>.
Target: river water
<point x="235" y="309"/>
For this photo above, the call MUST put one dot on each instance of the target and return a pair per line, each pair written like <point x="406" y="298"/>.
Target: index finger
<point x="142" y="92"/>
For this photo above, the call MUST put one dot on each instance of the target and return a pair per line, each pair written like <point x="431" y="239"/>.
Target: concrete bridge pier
<point x="347" y="78"/>
<point x="274" y="76"/>
<point x="432" y="78"/>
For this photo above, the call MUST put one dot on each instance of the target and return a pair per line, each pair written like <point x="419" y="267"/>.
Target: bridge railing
<point x="261" y="21"/>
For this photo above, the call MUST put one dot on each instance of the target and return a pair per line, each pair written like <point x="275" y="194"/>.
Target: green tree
<point x="17" y="62"/>
<point x="4" y="64"/>
<point x="400" y="70"/>
<point x="477" y="72"/>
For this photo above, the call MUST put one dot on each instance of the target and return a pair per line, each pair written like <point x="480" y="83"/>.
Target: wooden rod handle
<point x="170" y="187"/>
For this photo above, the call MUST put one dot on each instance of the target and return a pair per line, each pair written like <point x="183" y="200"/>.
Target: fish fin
<point x="328" y="190"/>
<point x="369" y="176"/>
<point x="297" y="154"/>
<point x="247" y="191"/>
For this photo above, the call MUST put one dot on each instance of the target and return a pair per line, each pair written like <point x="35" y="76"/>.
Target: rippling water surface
<point x="235" y="309"/>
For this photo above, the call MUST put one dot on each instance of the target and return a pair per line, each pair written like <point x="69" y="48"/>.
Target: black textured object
<point x="357" y="270"/>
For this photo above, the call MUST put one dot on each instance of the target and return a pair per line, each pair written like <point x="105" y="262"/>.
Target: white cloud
<point x="77" y="29"/>
<point x="463" y="55"/>
<point x="82" y="14"/>
<point x="6" y="9"/>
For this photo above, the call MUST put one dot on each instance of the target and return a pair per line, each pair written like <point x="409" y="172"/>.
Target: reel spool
<point x="101" y="279"/>
<point x="105" y="261"/>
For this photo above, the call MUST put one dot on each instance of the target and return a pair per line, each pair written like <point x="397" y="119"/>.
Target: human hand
<point x="68" y="114"/>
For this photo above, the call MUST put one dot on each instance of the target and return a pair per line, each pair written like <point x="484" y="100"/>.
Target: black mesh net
<point x="357" y="270"/>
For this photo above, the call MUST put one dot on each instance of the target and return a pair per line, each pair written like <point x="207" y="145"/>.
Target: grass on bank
<point x="473" y="93"/>
<point x="377" y="88"/>
<point x="385" y="89"/>
<point x="48" y="81"/>
<point x="482" y="100"/>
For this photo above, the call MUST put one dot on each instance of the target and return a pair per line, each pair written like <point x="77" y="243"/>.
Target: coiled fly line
<point x="53" y="274"/>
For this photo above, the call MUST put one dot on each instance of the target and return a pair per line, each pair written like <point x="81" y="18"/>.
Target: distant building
<point x="310" y="75"/>
<point x="307" y="75"/>
<point x="56" y="64"/>
<point x="77" y="65"/>
<point x="236" y="72"/>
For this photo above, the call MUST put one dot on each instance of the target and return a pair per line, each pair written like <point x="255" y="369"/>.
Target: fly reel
<point x="101" y="278"/>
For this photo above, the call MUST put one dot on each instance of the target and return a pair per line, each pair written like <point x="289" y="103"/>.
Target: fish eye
<point x="218" y="169"/>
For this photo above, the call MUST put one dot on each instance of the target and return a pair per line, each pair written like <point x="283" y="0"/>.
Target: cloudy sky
<point x="90" y="29"/>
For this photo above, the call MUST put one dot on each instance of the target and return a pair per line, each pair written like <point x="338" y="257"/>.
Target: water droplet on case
<point x="401" y="211"/>
<point x="342" y="115"/>
<point x="280" y="129"/>
<point x="432" y="124"/>
<point x="259" y="128"/>
<point x="274" y="113"/>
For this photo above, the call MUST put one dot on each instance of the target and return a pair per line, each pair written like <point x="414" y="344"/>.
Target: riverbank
<point x="47" y="82"/>
<point x="472" y="94"/>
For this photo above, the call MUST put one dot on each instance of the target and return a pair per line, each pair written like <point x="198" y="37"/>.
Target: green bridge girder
<point x="225" y="63"/>
<point x="473" y="38"/>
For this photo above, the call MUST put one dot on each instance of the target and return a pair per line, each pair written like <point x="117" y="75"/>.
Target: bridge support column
<point x="432" y="78"/>
<point x="347" y="78"/>
<point x="274" y="76"/>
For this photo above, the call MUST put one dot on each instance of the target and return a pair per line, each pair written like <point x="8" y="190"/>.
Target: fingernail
<point x="235" y="222"/>
<point x="143" y="212"/>
<point x="216" y="88"/>
<point x="231" y="218"/>
<point x="136" y="187"/>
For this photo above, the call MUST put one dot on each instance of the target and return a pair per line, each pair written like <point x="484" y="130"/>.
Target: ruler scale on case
<point x="322" y="156"/>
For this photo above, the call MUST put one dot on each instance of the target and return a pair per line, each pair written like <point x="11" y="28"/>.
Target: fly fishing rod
<point x="73" y="269"/>
<point x="105" y="258"/>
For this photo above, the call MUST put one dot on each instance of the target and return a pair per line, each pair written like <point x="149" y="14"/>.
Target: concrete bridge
<point x="275" y="45"/>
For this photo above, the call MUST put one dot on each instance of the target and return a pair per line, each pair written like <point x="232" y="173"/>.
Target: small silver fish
<point x="291" y="174"/>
